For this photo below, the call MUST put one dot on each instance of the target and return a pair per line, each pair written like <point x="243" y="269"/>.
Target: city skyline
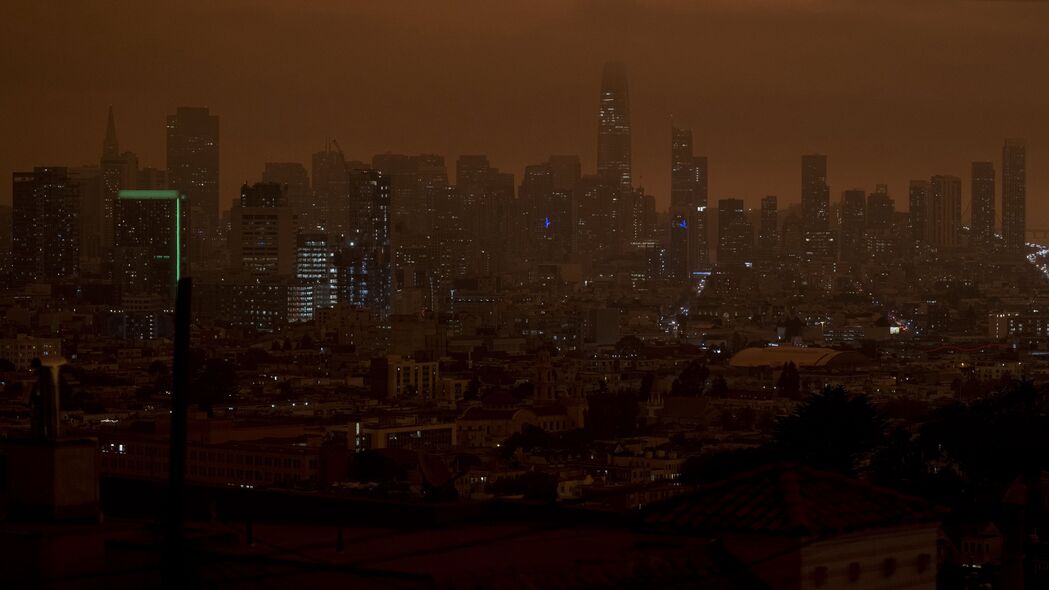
<point x="890" y="144"/>
<point x="474" y="295"/>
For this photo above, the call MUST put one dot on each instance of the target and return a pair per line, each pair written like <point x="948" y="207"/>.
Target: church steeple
<point x="110" y="147"/>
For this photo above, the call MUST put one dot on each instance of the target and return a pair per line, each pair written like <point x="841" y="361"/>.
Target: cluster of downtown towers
<point x="396" y="235"/>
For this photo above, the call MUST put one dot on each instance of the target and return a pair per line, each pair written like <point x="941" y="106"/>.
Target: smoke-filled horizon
<point x="889" y="91"/>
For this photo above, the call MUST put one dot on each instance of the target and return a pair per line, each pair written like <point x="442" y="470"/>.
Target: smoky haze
<point x="889" y="90"/>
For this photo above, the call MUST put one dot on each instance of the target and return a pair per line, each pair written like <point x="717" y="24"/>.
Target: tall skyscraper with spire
<point x="119" y="172"/>
<point x="1014" y="192"/>
<point x="613" y="133"/>
<point x="110" y="145"/>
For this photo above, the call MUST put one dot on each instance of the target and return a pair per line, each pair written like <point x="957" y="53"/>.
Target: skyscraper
<point x="262" y="236"/>
<point x="682" y="168"/>
<point x="613" y="133"/>
<point x="331" y="186"/>
<point x="735" y="234"/>
<point x="193" y="171"/>
<point x="982" y="207"/>
<point x="946" y="210"/>
<point x="150" y="244"/>
<point x="1014" y="193"/>
<point x="45" y="239"/>
<point x="294" y="179"/>
<point x="416" y="185"/>
<point x="853" y="223"/>
<point x="476" y="219"/>
<point x="820" y="242"/>
<point x="920" y="213"/>
<point x="881" y="240"/>
<point x="547" y="195"/>
<point x="815" y="194"/>
<point x="768" y="236"/>
<point x="688" y="206"/>
<point x="5" y="241"/>
<point x="363" y="259"/>
<point x="881" y="208"/>
<point x="596" y="227"/>
<point x="315" y="279"/>
<point x="119" y="171"/>
<point x="88" y="180"/>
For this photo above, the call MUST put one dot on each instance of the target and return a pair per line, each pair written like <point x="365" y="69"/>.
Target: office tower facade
<point x="315" y="285"/>
<point x="5" y="242"/>
<point x="881" y="208"/>
<point x="484" y="216"/>
<point x="45" y="225"/>
<point x="1014" y="193"/>
<point x="596" y="223"/>
<point x="547" y="196"/>
<point x="331" y="187"/>
<point x="819" y="240"/>
<point x="119" y="171"/>
<point x="688" y="206"/>
<point x="475" y="221"/>
<point x="982" y="204"/>
<point x="363" y="255"/>
<point x="295" y="180"/>
<point x="815" y="193"/>
<point x="416" y="185"/>
<point x="881" y="241"/>
<point x="768" y="234"/>
<point x="735" y="234"/>
<point x="699" y="255"/>
<point x="88" y="180"/>
<point x="853" y="223"/>
<point x="682" y="173"/>
<point x="919" y="211"/>
<point x="945" y="200"/>
<point x="150" y="245"/>
<point x="613" y="135"/>
<point x="193" y="171"/>
<point x="489" y="215"/>
<point x="262" y="233"/>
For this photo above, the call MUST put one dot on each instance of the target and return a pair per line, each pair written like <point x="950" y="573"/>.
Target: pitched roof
<point x="788" y="499"/>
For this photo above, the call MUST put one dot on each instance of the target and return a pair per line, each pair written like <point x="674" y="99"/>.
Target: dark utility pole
<point x="175" y="571"/>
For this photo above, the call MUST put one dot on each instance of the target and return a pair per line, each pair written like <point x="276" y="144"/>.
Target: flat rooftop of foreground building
<point x="801" y="356"/>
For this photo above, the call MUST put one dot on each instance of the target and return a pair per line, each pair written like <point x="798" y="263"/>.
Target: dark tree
<point x="370" y="466"/>
<point x="6" y="366"/>
<point x="702" y="469"/>
<point x="534" y="485"/>
<point x="530" y="437"/>
<point x="612" y="415"/>
<point x="719" y="387"/>
<point x="691" y="381"/>
<point x="990" y="442"/>
<point x="789" y="384"/>
<point x="629" y="346"/>
<point x="832" y="430"/>
<point x="647" y="380"/>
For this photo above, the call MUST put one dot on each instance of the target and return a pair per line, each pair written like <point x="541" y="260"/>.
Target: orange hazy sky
<point x="890" y="90"/>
